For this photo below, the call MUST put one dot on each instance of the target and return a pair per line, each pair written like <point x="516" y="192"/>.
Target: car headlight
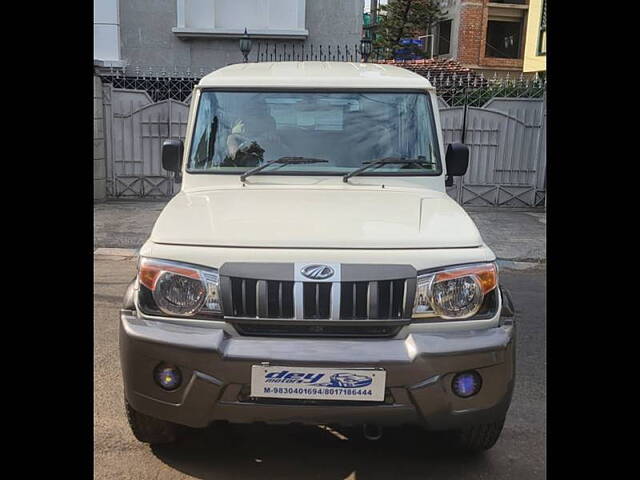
<point x="177" y="289"/>
<point x="454" y="293"/>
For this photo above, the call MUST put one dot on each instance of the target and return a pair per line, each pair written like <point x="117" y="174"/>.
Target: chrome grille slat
<point x="354" y="302"/>
<point x="244" y="295"/>
<point x="298" y="303"/>
<point x="334" y="308"/>
<point x="372" y="300"/>
<point x="262" y="298"/>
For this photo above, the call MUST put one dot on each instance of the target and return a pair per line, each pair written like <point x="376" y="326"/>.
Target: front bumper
<point x="216" y="368"/>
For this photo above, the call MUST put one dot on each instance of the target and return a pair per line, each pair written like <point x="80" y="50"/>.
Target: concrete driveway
<point x="290" y="452"/>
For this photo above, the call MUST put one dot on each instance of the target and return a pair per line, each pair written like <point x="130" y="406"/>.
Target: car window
<point x="235" y="131"/>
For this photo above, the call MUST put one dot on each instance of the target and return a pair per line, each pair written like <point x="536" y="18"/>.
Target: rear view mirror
<point x="457" y="159"/>
<point x="172" y="155"/>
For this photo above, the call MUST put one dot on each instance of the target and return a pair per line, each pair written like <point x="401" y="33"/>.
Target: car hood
<point x="316" y="217"/>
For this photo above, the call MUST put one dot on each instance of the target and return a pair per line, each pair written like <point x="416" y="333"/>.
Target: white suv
<point x="312" y="267"/>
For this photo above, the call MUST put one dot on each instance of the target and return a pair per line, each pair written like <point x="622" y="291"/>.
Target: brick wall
<point x="99" y="161"/>
<point x="471" y="31"/>
<point x="471" y="39"/>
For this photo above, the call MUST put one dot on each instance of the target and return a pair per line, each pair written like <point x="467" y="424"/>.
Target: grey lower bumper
<point x="217" y="368"/>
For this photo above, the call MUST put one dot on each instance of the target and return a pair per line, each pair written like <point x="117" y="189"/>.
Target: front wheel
<point x="478" y="437"/>
<point x="150" y="430"/>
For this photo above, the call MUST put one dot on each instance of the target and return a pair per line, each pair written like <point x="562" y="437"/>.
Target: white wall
<point x="106" y="30"/>
<point x="233" y="16"/>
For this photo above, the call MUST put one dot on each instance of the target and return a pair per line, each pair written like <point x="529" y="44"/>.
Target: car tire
<point x="150" y="430"/>
<point x="478" y="437"/>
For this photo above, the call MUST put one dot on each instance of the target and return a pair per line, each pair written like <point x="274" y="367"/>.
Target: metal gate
<point x="506" y="139"/>
<point x="135" y="128"/>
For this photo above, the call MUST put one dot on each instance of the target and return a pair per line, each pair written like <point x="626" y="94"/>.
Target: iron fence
<point x="475" y="90"/>
<point x="455" y="85"/>
<point x="308" y="52"/>
<point x="160" y="83"/>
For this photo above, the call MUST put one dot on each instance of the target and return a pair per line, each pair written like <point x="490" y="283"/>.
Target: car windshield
<point x="237" y="131"/>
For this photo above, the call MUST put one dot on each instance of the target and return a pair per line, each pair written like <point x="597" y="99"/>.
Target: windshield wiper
<point x="283" y="161"/>
<point x="389" y="160"/>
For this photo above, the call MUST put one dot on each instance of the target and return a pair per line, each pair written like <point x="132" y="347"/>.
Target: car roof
<point x="310" y="75"/>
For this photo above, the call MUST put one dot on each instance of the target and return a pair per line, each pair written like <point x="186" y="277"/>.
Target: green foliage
<point x="402" y="19"/>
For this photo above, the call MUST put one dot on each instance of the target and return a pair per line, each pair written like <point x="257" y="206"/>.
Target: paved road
<point x="282" y="452"/>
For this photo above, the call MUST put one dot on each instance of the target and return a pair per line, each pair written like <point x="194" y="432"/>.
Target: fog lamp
<point x="466" y="384"/>
<point x="167" y="377"/>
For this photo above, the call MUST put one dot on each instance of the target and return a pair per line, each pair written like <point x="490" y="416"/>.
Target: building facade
<point x="160" y="47"/>
<point x="202" y="35"/>
<point x="535" y="48"/>
<point x="488" y="36"/>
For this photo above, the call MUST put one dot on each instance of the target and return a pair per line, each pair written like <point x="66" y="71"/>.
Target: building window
<point x="503" y="39"/>
<point x="542" y="37"/>
<point x="444" y="37"/>
<point x="229" y="18"/>
<point x="106" y="33"/>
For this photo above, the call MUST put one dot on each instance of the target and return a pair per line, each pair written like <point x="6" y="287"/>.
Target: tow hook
<point x="372" y="431"/>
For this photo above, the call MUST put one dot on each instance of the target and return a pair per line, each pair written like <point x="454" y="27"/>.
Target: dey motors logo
<point x="339" y="380"/>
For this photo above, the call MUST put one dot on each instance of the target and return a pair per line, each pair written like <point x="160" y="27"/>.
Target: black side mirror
<point x="172" y="155"/>
<point x="457" y="159"/>
<point x="172" y="158"/>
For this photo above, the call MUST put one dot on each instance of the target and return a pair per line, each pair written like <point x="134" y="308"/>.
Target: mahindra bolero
<point x="312" y="268"/>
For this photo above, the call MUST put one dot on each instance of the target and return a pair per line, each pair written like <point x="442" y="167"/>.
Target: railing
<point x="458" y="90"/>
<point x="308" y="52"/>
<point x="454" y="87"/>
<point x="159" y="83"/>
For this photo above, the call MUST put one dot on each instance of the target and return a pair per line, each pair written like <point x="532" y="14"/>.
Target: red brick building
<point x="487" y="36"/>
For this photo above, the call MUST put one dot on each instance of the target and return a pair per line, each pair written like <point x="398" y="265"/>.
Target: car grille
<point x="272" y="291"/>
<point x="358" y="300"/>
<point x="261" y="298"/>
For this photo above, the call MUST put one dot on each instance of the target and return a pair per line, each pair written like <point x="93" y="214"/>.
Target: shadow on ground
<point x="295" y="452"/>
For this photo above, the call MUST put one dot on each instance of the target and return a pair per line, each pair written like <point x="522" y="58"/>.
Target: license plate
<point x="315" y="383"/>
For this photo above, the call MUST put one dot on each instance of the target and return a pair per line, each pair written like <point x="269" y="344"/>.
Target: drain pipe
<point x="372" y="431"/>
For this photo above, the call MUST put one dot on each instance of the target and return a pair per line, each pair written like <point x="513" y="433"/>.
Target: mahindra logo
<point x="317" y="272"/>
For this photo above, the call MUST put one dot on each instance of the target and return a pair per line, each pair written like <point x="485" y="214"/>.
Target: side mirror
<point x="457" y="159"/>
<point x="172" y="155"/>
